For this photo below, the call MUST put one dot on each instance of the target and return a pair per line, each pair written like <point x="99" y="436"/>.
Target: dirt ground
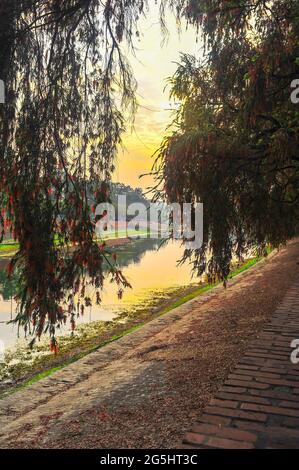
<point x="168" y="377"/>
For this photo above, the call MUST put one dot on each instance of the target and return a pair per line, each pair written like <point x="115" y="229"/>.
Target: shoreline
<point x="7" y="254"/>
<point x="98" y="334"/>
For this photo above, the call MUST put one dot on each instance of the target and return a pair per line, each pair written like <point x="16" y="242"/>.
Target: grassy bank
<point x="10" y="247"/>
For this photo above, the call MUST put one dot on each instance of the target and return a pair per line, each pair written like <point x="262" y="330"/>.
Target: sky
<point x="153" y="64"/>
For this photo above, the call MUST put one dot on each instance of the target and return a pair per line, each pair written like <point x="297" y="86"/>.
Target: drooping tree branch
<point x="235" y="144"/>
<point x="69" y="90"/>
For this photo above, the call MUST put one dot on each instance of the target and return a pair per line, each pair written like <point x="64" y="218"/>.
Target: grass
<point x="52" y="370"/>
<point x="202" y="290"/>
<point x="40" y="376"/>
<point x="9" y="246"/>
<point x="126" y="233"/>
<point x="12" y="247"/>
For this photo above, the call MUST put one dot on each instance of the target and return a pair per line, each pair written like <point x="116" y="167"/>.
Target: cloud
<point x="152" y="66"/>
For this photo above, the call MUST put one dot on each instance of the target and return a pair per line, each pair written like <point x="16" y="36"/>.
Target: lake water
<point x="149" y="267"/>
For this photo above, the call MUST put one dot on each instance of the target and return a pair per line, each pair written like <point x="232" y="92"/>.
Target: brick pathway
<point x="258" y="405"/>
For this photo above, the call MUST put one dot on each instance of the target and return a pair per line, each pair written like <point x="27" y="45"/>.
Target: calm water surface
<point x="149" y="267"/>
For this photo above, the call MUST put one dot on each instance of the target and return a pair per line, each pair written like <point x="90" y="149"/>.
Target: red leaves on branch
<point x="54" y="345"/>
<point x="9" y="268"/>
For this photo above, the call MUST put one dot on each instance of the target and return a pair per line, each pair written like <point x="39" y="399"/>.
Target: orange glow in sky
<point x="153" y="64"/>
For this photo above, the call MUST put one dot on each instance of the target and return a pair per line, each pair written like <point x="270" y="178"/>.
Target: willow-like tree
<point x="69" y="90"/>
<point x="235" y="146"/>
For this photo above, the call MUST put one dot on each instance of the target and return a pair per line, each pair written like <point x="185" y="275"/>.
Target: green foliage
<point x="69" y="91"/>
<point x="235" y="142"/>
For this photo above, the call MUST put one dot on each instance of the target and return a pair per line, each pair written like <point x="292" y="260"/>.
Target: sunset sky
<point x="153" y="64"/>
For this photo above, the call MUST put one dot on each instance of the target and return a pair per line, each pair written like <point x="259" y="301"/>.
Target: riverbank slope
<point x="155" y="379"/>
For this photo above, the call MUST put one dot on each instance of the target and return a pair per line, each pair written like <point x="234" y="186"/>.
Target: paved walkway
<point x="144" y="390"/>
<point x="258" y="405"/>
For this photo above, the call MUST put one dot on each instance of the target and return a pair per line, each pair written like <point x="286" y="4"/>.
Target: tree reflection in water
<point x="131" y="253"/>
